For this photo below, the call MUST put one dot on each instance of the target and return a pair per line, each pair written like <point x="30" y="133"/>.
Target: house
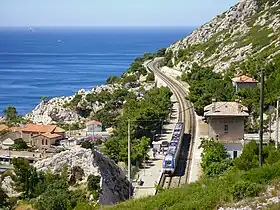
<point x="40" y="136"/>
<point x="243" y="82"/>
<point x="94" y="126"/>
<point x="7" y="143"/>
<point x="226" y="124"/>
<point x="46" y="140"/>
<point x="3" y="127"/>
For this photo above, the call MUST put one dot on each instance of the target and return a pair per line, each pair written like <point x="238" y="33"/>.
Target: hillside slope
<point x="251" y="28"/>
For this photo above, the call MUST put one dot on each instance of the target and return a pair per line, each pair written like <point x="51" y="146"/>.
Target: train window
<point x="168" y="163"/>
<point x="226" y="129"/>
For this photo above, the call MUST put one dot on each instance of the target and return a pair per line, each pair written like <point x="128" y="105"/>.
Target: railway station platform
<point x="151" y="173"/>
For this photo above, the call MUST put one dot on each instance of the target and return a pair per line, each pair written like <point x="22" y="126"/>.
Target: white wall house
<point x="94" y="126"/>
<point x="226" y="124"/>
<point x="242" y="82"/>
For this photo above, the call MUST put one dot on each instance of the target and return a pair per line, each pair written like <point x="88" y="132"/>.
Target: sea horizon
<point x="54" y="62"/>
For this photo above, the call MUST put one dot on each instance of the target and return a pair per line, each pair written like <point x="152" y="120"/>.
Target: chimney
<point x="214" y="104"/>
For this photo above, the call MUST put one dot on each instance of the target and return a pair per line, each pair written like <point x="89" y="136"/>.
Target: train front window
<point x="168" y="163"/>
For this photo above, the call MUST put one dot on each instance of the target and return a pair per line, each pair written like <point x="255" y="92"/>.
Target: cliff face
<point x="250" y="28"/>
<point x="114" y="183"/>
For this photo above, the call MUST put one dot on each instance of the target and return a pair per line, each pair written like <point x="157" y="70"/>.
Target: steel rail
<point x="187" y="117"/>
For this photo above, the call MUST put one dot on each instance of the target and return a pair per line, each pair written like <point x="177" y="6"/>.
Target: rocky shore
<point x="55" y="110"/>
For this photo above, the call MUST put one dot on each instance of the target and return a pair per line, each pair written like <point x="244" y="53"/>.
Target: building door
<point x="234" y="154"/>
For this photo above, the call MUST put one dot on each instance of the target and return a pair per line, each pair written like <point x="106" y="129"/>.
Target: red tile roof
<point x="51" y="135"/>
<point x="3" y="127"/>
<point x="94" y="122"/>
<point x="14" y="129"/>
<point x="244" y="78"/>
<point x="33" y="128"/>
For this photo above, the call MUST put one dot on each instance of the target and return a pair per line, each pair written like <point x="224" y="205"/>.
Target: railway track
<point x="186" y="115"/>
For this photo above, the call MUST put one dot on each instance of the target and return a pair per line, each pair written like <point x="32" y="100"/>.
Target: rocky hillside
<point x="114" y="183"/>
<point x="86" y="103"/>
<point x="251" y="28"/>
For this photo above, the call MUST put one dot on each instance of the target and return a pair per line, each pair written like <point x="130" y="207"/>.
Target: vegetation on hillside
<point x="49" y="191"/>
<point x="12" y="117"/>
<point x="206" y="85"/>
<point x="221" y="186"/>
<point x="146" y="118"/>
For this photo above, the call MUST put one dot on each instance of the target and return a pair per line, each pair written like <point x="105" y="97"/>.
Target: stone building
<point x="243" y="82"/>
<point x="94" y="126"/>
<point x="226" y="123"/>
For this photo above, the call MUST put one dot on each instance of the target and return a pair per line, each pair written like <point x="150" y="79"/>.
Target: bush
<point x="19" y="144"/>
<point x="151" y="77"/>
<point x="263" y="175"/>
<point x="243" y="189"/>
<point x="93" y="182"/>
<point x="249" y="157"/>
<point x="112" y="80"/>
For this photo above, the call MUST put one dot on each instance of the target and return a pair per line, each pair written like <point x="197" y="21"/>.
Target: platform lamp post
<point x="128" y="155"/>
<point x="277" y="123"/>
<point x="261" y="118"/>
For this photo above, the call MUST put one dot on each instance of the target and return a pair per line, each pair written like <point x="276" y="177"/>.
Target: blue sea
<point x="37" y="62"/>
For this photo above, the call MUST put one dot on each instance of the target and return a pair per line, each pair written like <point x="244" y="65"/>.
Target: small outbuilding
<point x="7" y="143"/>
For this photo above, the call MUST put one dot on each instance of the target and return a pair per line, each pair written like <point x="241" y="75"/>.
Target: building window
<point x="234" y="154"/>
<point x="46" y="142"/>
<point x="43" y="142"/>
<point x="226" y="129"/>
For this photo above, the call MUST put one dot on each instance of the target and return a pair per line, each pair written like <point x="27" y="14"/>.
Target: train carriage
<point x="173" y="152"/>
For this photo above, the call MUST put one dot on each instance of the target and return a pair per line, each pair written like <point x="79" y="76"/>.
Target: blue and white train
<point x="173" y="151"/>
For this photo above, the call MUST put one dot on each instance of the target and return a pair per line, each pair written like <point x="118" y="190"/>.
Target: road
<point x="187" y="115"/>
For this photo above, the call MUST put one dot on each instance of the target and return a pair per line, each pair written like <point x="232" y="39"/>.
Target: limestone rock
<point x="114" y="183"/>
<point x="222" y="41"/>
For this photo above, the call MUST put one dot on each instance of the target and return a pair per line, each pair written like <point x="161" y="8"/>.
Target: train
<point x="173" y="152"/>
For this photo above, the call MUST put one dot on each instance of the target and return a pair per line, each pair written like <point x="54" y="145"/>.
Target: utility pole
<point x="261" y="118"/>
<point x="128" y="156"/>
<point x="277" y="123"/>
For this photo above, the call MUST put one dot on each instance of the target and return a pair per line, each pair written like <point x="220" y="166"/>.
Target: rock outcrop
<point x="60" y="109"/>
<point x="114" y="183"/>
<point x="248" y="29"/>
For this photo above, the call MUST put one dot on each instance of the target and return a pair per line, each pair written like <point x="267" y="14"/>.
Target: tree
<point x="26" y="177"/>
<point x="44" y="98"/>
<point x="112" y="80"/>
<point x="19" y="144"/>
<point x="93" y="182"/>
<point x="249" y="157"/>
<point x="12" y="115"/>
<point x="151" y="77"/>
<point x="3" y="199"/>
<point x="215" y="158"/>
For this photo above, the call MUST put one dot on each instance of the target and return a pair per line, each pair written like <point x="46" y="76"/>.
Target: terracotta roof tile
<point x="14" y="129"/>
<point x="51" y="135"/>
<point x="95" y="122"/>
<point x="39" y="128"/>
<point x="3" y="127"/>
<point x="244" y="78"/>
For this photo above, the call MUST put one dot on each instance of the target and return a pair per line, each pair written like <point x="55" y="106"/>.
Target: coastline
<point x="79" y="60"/>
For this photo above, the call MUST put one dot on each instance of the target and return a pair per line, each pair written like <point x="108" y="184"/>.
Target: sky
<point x="110" y="12"/>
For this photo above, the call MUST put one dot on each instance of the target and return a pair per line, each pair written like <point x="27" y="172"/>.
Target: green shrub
<point x="93" y="182"/>
<point x="112" y="80"/>
<point x="249" y="157"/>
<point x="263" y="175"/>
<point x="243" y="189"/>
<point x="150" y="77"/>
